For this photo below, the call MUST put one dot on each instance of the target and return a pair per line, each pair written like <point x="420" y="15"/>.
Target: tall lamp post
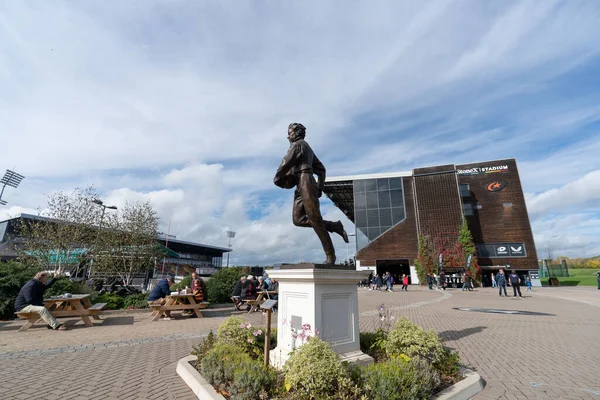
<point x="230" y="235"/>
<point x="104" y="208"/>
<point x="12" y="179"/>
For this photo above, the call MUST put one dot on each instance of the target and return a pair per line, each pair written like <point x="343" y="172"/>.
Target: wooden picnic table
<point x="261" y="297"/>
<point x="178" y="302"/>
<point x="78" y="305"/>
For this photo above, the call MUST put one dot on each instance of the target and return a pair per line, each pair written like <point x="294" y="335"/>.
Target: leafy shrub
<point x="448" y="364"/>
<point x="204" y="347"/>
<point x="238" y="332"/>
<point x="221" y="283"/>
<point x="400" y="378"/>
<point x="13" y="276"/>
<point x="252" y="380"/>
<point x="113" y="302"/>
<point x="136" y="301"/>
<point x="373" y="344"/>
<point x="314" y="371"/>
<point x="187" y="281"/>
<point x="218" y="365"/>
<point x="414" y="341"/>
<point x="65" y="285"/>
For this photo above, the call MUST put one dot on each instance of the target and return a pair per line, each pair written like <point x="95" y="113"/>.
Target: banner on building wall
<point x="469" y="258"/>
<point x="501" y="250"/>
<point x="441" y="260"/>
<point x="483" y="170"/>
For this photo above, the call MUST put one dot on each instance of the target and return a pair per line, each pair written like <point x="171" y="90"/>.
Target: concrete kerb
<point x="201" y="388"/>
<point x="463" y="390"/>
<point x="472" y="384"/>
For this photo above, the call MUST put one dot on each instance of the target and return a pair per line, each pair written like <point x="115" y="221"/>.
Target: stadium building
<point x="390" y="210"/>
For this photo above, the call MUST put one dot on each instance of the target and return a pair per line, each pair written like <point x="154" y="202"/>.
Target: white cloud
<point x="187" y="103"/>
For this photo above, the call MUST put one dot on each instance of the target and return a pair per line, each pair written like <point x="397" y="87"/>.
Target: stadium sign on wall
<point x="483" y="170"/>
<point x="501" y="250"/>
<point x="495" y="186"/>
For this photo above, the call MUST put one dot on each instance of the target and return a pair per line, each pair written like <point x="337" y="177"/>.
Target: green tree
<point x="424" y="263"/>
<point x="466" y="247"/>
<point x="13" y="276"/>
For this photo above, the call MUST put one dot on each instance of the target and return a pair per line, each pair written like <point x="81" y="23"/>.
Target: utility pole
<point x="230" y="235"/>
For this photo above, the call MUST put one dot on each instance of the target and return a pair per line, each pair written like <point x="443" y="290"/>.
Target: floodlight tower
<point x="12" y="179"/>
<point x="230" y="235"/>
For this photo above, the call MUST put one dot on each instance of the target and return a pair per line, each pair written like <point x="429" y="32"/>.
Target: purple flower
<point x="257" y="332"/>
<point x="306" y="327"/>
<point x="250" y="340"/>
<point x="317" y="332"/>
<point x="242" y="325"/>
<point x="248" y="325"/>
<point x="381" y="307"/>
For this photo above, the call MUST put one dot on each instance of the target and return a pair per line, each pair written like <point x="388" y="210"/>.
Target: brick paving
<point x="128" y="357"/>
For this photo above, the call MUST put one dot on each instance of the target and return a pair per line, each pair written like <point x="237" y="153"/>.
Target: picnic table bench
<point x="78" y="305"/>
<point x="178" y="302"/>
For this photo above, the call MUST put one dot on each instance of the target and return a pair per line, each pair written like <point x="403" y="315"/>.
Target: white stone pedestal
<point x="326" y="298"/>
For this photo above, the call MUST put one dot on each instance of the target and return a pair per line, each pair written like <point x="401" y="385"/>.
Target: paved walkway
<point x="128" y="357"/>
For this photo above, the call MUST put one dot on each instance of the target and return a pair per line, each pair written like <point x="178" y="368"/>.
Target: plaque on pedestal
<point x="323" y="297"/>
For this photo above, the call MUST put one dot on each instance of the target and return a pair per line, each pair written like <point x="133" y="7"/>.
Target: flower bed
<point x="410" y="363"/>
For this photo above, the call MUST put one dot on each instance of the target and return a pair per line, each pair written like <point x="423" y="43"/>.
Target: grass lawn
<point x="579" y="277"/>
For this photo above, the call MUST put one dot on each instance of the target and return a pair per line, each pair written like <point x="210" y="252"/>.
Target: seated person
<point x="248" y="288"/>
<point x="262" y="284"/>
<point x="160" y="292"/>
<point x="198" y="289"/>
<point x="274" y="287"/>
<point x="31" y="299"/>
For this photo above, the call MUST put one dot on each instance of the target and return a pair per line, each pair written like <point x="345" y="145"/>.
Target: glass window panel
<point x="372" y="200"/>
<point x="359" y="186"/>
<point x="360" y="218"/>
<point x="465" y="190"/>
<point x="397" y="198"/>
<point x="384" y="199"/>
<point x="383" y="184"/>
<point x="361" y="230"/>
<point x="397" y="214"/>
<point x="373" y="233"/>
<point x="468" y="209"/>
<point x="371" y="185"/>
<point x="396" y="183"/>
<point x="361" y="239"/>
<point x="384" y="229"/>
<point x="372" y="218"/>
<point x="385" y="216"/>
<point x="360" y="201"/>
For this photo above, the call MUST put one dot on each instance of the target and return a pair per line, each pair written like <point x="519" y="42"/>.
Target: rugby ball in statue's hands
<point x="287" y="182"/>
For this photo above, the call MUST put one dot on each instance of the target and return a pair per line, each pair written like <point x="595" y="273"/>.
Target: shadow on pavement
<point x="456" y="335"/>
<point x="112" y="321"/>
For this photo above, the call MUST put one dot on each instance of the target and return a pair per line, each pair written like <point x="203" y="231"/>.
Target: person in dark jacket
<point x="237" y="289"/>
<point x="31" y="299"/>
<point x="248" y="288"/>
<point x="443" y="280"/>
<point x="160" y="292"/>
<point x="501" y="282"/>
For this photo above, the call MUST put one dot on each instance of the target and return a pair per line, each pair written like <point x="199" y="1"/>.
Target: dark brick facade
<point x="503" y="216"/>
<point x="434" y="206"/>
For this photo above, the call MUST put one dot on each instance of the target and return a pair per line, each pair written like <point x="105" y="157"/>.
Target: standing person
<point x="501" y="282"/>
<point x="31" y="299"/>
<point x="391" y="280"/>
<point x="429" y="281"/>
<point x="598" y="280"/>
<point x="515" y="282"/>
<point x="464" y="282"/>
<point x="379" y="282"/>
<point x="370" y="280"/>
<point x="405" y="282"/>
<point x="388" y="282"/>
<point x="435" y="281"/>
<point x="443" y="280"/>
<point x="493" y="281"/>
<point x="469" y="282"/>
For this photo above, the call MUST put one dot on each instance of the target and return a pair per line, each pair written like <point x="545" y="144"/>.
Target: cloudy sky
<point x="187" y="103"/>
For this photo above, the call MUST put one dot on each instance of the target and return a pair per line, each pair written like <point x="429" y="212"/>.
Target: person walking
<point x="430" y="281"/>
<point x="390" y="282"/>
<point x="501" y="282"/>
<point x="469" y="282"/>
<point x="493" y="281"/>
<point x="443" y="280"/>
<point x="598" y="280"/>
<point x="528" y="283"/>
<point x="464" y="282"/>
<point x="405" y="282"/>
<point x="379" y="282"/>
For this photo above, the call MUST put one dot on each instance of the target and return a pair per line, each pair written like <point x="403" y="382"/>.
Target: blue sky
<point x="187" y="103"/>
